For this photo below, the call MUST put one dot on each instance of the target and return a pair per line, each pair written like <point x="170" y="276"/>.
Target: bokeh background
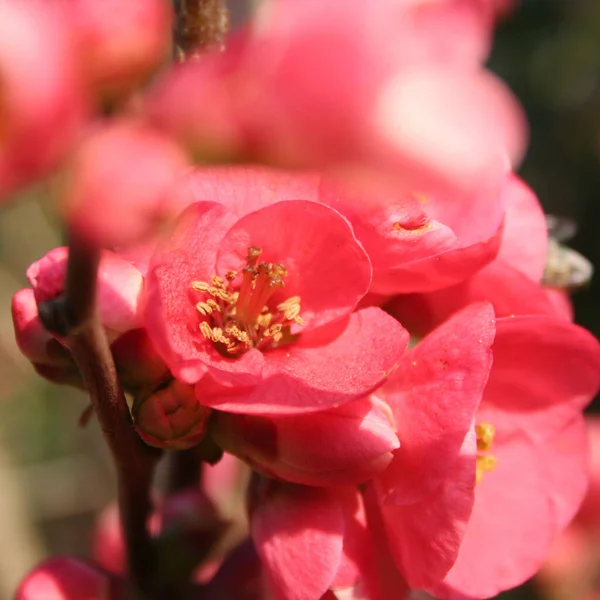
<point x="55" y="476"/>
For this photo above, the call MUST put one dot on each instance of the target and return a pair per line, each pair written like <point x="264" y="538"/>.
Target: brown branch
<point x="74" y="318"/>
<point x="184" y="470"/>
<point x="200" y="25"/>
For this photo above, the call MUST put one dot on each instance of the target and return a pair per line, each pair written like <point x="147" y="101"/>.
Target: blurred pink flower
<point x="415" y="241"/>
<point x="65" y="578"/>
<point x="119" y="182"/>
<point x="376" y="87"/>
<point x="258" y="310"/>
<point x="42" y="101"/>
<point x="118" y="44"/>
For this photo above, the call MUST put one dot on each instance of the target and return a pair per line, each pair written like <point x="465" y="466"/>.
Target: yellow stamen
<point x="241" y="319"/>
<point x="485" y="463"/>
<point x="485" y="436"/>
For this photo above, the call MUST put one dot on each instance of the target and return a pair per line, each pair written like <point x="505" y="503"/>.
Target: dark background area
<point x="548" y="51"/>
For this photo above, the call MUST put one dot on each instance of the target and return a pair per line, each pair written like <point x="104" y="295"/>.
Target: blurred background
<point x="55" y="476"/>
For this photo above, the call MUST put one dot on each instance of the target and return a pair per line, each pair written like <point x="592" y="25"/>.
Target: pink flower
<point x="319" y="543"/>
<point x="42" y="103"/>
<point x="258" y="310"/>
<point x="380" y="84"/>
<point x="531" y="445"/>
<point x="119" y="183"/>
<point x="426" y="495"/>
<point x="545" y="371"/>
<point x="415" y="241"/>
<point x="511" y="282"/>
<point x="64" y="578"/>
<point x="339" y="446"/>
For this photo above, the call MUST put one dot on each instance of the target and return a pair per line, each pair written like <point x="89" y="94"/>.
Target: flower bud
<point x="170" y="417"/>
<point x="340" y="446"/>
<point x="138" y="364"/>
<point x="48" y="356"/>
<point x="118" y="292"/>
<point x="65" y="578"/>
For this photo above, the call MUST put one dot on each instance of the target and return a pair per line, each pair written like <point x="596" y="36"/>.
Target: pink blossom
<point x="531" y="458"/>
<point x="64" y="578"/>
<point x="380" y="84"/>
<point x="320" y="543"/>
<point x="426" y="495"/>
<point x="258" y="310"/>
<point x="415" y="241"/>
<point x="545" y="371"/>
<point x="511" y="282"/>
<point x="42" y="103"/>
<point x="339" y="446"/>
<point x="119" y="182"/>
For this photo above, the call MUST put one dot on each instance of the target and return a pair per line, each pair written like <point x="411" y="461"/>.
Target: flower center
<point x="237" y="310"/>
<point x="485" y="462"/>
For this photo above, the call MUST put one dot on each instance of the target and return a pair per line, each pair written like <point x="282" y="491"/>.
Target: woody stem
<point x="199" y="25"/>
<point x="74" y="318"/>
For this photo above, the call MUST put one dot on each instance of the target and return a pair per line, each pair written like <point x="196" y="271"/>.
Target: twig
<point x="184" y="470"/>
<point x="74" y="318"/>
<point x="200" y="25"/>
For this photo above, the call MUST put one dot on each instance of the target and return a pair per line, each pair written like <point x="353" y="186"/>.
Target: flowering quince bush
<point x="333" y="323"/>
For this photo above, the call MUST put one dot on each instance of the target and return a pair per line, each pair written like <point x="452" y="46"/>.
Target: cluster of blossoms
<point x="349" y="302"/>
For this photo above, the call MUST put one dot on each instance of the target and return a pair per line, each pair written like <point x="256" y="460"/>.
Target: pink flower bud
<point x="137" y="362"/>
<point x="120" y="182"/>
<point x="65" y="578"/>
<point x="340" y="446"/>
<point x="49" y="357"/>
<point x="119" y="288"/>
<point x="170" y="417"/>
<point x="41" y="104"/>
<point x="120" y="43"/>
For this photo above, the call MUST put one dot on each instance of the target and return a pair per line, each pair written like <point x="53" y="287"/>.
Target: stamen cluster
<point x="238" y="316"/>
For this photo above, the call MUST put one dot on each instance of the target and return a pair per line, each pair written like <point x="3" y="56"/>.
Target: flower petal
<point x="434" y="394"/>
<point x="300" y="378"/>
<point x="425" y="536"/>
<point x="298" y="532"/>
<point x="339" y="446"/>
<point x="529" y="496"/>
<point x="187" y="255"/>
<point x="327" y="267"/>
<point x="525" y="238"/>
<point x="545" y="371"/>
